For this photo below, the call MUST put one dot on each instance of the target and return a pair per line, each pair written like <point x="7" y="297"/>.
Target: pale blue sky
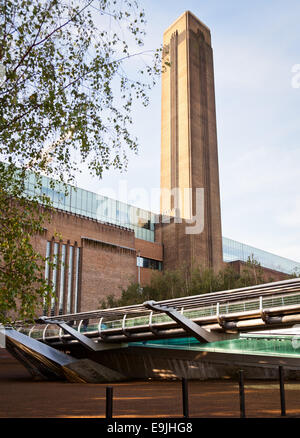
<point x="256" y="44"/>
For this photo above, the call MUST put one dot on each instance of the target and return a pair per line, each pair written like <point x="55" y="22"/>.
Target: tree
<point x="185" y="282"/>
<point x="66" y="99"/>
<point x="22" y="282"/>
<point x="252" y="272"/>
<point x="66" y="84"/>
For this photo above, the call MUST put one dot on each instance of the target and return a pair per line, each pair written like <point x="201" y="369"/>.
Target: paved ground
<point x="22" y="398"/>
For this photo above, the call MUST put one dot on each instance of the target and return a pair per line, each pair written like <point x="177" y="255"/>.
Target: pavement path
<point x="21" y="397"/>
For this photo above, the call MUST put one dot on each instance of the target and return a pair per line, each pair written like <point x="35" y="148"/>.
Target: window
<point x="54" y="275"/>
<point x="70" y="272"/>
<point x="233" y="250"/>
<point x="144" y="262"/>
<point x="62" y="279"/>
<point x="98" y="207"/>
<point x="64" y="276"/>
<point x="76" y="279"/>
<point x="47" y="269"/>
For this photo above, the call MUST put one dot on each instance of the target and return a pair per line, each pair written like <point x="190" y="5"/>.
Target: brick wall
<point x="107" y="260"/>
<point x="105" y="269"/>
<point x="151" y="250"/>
<point x="268" y="274"/>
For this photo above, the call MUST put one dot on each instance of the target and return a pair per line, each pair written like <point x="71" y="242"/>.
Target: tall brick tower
<point x="189" y="153"/>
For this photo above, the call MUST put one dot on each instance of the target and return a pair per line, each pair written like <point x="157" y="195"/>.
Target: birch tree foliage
<point x="23" y="287"/>
<point x="70" y="73"/>
<point x="66" y="83"/>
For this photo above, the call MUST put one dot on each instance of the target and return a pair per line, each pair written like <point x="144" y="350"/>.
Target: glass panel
<point x="46" y="272"/>
<point x="54" y="274"/>
<point x="77" y="279"/>
<point x="73" y="200"/>
<point x="89" y="203"/>
<point x="62" y="279"/>
<point x="67" y="201"/>
<point x="84" y="196"/>
<point x="47" y="260"/>
<point x="78" y="201"/>
<point x="70" y="271"/>
<point x="99" y="207"/>
<point x="144" y="262"/>
<point x="233" y="250"/>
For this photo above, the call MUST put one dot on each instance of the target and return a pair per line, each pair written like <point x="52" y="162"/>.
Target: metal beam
<point x="189" y="326"/>
<point x="38" y="347"/>
<point x="84" y="340"/>
<point x="196" y="301"/>
<point x="44" y="361"/>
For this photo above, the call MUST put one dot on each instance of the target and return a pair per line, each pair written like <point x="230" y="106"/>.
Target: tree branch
<point x="35" y="44"/>
<point x="3" y="127"/>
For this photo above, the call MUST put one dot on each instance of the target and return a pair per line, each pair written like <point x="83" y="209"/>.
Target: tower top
<point x="188" y="20"/>
<point x="189" y="153"/>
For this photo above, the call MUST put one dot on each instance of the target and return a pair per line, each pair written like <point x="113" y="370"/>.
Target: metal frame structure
<point x="108" y="347"/>
<point x="209" y="317"/>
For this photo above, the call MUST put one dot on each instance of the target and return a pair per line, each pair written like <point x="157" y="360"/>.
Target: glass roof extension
<point x="94" y="206"/>
<point x="142" y="222"/>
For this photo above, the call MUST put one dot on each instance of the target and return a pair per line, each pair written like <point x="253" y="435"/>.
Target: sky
<point x="256" y="59"/>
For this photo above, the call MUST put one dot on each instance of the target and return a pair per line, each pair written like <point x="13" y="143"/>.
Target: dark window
<point x="144" y="262"/>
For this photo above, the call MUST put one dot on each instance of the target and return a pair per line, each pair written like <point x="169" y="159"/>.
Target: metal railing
<point x="214" y="309"/>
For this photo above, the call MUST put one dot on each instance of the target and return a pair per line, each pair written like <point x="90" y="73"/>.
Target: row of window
<point x="142" y="222"/>
<point x="64" y="276"/>
<point x="233" y="250"/>
<point x="95" y="206"/>
<point x="143" y="262"/>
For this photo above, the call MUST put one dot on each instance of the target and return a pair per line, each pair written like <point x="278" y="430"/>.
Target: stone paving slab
<point x="21" y="397"/>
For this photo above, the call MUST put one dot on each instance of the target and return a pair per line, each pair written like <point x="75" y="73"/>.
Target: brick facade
<point x="269" y="275"/>
<point x="104" y="259"/>
<point x="101" y="258"/>
<point x="105" y="269"/>
<point x="106" y="263"/>
<point x="189" y="152"/>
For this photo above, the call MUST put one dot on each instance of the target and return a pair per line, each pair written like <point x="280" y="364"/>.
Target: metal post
<point x="185" y="398"/>
<point x="242" y="394"/>
<point x="109" y="401"/>
<point x="282" y="391"/>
